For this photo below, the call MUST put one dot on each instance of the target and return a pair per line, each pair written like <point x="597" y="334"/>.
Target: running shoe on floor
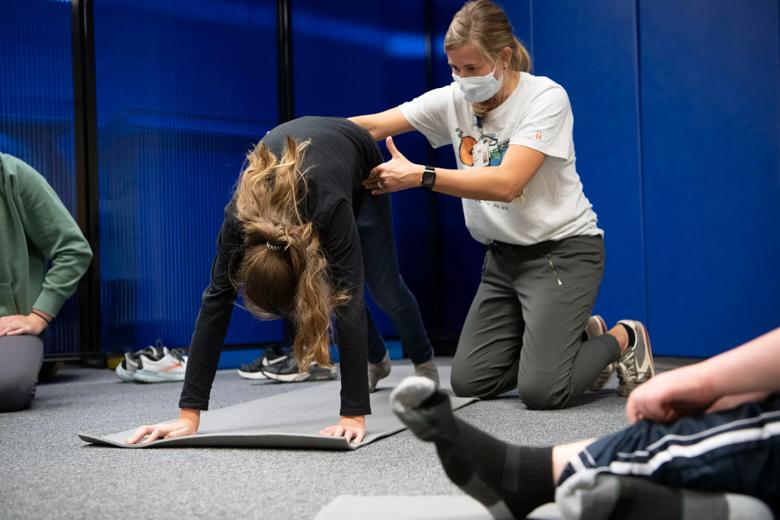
<point x="127" y="368"/>
<point x="287" y="372"/>
<point x="170" y="367"/>
<point x="272" y="355"/>
<point x="635" y="365"/>
<point x="598" y="327"/>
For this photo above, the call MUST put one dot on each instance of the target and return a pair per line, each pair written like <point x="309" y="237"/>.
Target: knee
<point x="462" y="386"/>
<point x="537" y="392"/>
<point x="16" y="394"/>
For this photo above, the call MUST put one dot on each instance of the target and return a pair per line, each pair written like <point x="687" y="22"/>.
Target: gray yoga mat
<point x="457" y="507"/>
<point x="289" y="420"/>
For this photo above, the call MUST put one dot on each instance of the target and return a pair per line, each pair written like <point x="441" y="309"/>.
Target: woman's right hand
<point x="186" y="424"/>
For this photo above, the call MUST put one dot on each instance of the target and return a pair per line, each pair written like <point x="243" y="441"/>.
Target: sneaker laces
<point x="628" y="363"/>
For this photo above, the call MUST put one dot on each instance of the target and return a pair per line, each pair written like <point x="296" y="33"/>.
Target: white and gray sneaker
<point x="271" y="355"/>
<point x="635" y="365"/>
<point x="130" y="362"/>
<point x="598" y="327"/>
<point x="170" y="367"/>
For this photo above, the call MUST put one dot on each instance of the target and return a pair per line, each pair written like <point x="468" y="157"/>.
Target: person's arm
<point x="51" y="228"/>
<point x="210" y="330"/>
<point x="747" y="373"/>
<point x="384" y="124"/>
<point x="341" y="243"/>
<point x="504" y="182"/>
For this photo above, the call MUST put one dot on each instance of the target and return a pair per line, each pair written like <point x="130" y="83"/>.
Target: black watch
<point x="428" y="177"/>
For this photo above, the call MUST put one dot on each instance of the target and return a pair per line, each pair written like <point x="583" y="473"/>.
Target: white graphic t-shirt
<point x="537" y="115"/>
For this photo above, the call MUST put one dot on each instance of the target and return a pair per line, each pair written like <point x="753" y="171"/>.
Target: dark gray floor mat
<point x="289" y="420"/>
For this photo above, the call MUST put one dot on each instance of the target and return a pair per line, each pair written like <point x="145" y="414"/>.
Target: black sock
<point x="631" y="335"/>
<point x="505" y="478"/>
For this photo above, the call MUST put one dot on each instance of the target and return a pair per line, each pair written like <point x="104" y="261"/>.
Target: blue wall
<point x="36" y="116"/>
<point x="184" y="89"/>
<point x="677" y="129"/>
<point x="677" y="118"/>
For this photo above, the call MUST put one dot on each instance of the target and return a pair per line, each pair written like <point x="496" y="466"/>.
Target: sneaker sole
<point x="298" y="377"/>
<point x="146" y="376"/>
<point x="251" y="375"/>
<point x="125" y="375"/>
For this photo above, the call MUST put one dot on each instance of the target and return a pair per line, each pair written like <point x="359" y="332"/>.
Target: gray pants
<point x="524" y="328"/>
<point x="20" y="362"/>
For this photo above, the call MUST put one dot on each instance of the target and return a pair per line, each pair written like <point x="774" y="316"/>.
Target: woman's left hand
<point x="18" y="324"/>
<point x="351" y="428"/>
<point x="397" y="174"/>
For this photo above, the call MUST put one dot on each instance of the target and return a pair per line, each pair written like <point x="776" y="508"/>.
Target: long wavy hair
<point x="485" y="25"/>
<point x="283" y="271"/>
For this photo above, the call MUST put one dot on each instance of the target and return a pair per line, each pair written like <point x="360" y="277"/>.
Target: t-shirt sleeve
<point x="548" y="124"/>
<point x="428" y="115"/>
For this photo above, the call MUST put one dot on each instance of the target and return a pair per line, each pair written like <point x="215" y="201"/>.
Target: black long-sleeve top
<point x="340" y="156"/>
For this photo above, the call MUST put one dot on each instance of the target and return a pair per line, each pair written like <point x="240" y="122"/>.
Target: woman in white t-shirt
<point x="529" y="326"/>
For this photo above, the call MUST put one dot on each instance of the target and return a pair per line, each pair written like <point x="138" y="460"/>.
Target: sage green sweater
<point x="35" y="227"/>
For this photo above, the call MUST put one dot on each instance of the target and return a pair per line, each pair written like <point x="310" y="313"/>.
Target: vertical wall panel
<point x="590" y="49"/>
<point x="36" y="116"/>
<point x="184" y="90"/>
<point x="710" y="130"/>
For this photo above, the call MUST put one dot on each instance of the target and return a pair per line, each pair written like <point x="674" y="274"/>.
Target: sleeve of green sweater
<point x="51" y="228"/>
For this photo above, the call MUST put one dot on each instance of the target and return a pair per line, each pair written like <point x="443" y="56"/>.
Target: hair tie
<point x="274" y="247"/>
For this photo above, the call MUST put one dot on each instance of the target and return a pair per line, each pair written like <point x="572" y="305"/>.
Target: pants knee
<point x="463" y="387"/>
<point x="16" y="395"/>
<point x="537" y="393"/>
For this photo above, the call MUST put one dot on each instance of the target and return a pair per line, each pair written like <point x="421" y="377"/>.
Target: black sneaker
<point x="287" y="372"/>
<point x="271" y="356"/>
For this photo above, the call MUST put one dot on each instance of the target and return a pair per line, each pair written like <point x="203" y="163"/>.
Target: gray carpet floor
<point x="47" y="472"/>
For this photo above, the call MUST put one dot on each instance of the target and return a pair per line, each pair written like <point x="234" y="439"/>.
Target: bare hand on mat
<point x="351" y="428"/>
<point x="186" y="424"/>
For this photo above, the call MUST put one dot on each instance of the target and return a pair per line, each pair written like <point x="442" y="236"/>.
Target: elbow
<point x="509" y="195"/>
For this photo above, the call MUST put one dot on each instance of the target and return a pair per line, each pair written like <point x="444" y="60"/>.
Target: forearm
<point x="351" y="323"/>
<point x="485" y="183"/>
<point x="205" y="348"/>
<point x="68" y="266"/>
<point x="751" y="368"/>
<point x="383" y="124"/>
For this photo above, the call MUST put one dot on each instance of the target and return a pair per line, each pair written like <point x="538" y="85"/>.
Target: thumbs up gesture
<point x="397" y="174"/>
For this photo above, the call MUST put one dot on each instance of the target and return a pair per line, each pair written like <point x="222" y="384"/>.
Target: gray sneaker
<point x="377" y="371"/>
<point x="635" y="365"/>
<point x="598" y="327"/>
<point x="429" y="370"/>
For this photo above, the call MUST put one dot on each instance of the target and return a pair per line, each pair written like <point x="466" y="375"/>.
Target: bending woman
<point x="299" y="239"/>
<point x="522" y="198"/>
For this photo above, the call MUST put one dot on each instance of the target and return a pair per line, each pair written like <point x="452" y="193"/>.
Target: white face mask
<point x="477" y="89"/>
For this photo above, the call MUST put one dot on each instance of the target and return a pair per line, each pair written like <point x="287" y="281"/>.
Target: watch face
<point x="428" y="178"/>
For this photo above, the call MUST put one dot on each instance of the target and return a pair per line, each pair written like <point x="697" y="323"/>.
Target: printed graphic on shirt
<point x="486" y="150"/>
<point x="466" y="148"/>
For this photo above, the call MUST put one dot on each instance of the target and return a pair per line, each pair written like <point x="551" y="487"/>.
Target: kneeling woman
<point x="296" y="238"/>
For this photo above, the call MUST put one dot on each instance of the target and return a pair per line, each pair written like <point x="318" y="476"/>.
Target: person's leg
<point x="20" y="362"/>
<point x="485" y="362"/>
<point x="557" y="286"/>
<point x="511" y="481"/>
<point x="736" y="450"/>
<point x="385" y="284"/>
